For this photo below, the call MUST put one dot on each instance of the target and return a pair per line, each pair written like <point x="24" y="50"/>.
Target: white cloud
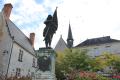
<point x="91" y="18"/>
<point x="29" y="16"/>
<point x="10" y="1"/>
<point x="88" y="18"/>
<point x="28" y="12"/>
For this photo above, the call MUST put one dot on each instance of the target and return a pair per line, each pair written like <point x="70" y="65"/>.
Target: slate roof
<point x="61" y="45"/>
<point x="70" y="37"/>
<point x="96" y="41"/>
<point x="20" y="37"/>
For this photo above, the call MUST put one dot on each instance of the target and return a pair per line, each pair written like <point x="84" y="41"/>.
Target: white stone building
<point x="17" y="54"/>
<point x="97" y="46"/>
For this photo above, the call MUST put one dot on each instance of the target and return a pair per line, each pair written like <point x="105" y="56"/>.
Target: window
<point x="107" y="46"/>
<point x="32" y="74"/>
<point x="18" y="71"/>
<point x="96" y="51"/>
<point x="33" y="64"/>
<point x="20" y="57"/>
<point x="95" y="48"/>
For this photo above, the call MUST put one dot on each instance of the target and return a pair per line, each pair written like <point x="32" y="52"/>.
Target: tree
<point x="76" y="60"/>
<point x="59" y="67"/>
<point x="72" y="61"/>
<point x="113" y="60"/>
<point x="99" y="63"/>
<point x="106" y="60"/>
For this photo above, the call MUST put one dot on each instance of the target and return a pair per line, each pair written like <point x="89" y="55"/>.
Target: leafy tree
<point x="58" y="67"/>
<point x="72" y="61"/>
<point x="113" y="60"/>
<point x="76" y="60"/>
<point x="99" y="63"/>
<point x="106" y="60"/>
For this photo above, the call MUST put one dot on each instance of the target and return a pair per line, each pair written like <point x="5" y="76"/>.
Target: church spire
<point x="70" y="38"/>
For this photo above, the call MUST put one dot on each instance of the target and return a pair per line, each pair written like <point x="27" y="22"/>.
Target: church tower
<point x="70" y="38"/>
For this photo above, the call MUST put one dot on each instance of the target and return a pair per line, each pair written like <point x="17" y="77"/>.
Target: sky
<point x="88" y="18"/>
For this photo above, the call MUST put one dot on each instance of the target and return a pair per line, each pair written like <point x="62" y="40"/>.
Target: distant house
<point x="96" y="46"/>
<point x="17" y="54"/>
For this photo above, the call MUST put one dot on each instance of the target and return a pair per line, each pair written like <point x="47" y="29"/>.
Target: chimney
<point x="32" y="38"/>
<point x="7" y="10"/>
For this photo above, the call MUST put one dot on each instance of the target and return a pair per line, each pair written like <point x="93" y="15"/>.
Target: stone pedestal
<point x="46" y="64"/>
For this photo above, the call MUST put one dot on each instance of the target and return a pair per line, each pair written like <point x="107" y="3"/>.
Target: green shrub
<point x="98" y="77"/>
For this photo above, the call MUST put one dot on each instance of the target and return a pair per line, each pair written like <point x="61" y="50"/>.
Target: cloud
<point x="30" y="15"/>
<point x="27" y="12"/>
<point x="88" y="18"/>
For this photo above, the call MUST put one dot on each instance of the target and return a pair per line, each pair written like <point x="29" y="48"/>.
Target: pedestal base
<point x="44" y="76"/>
<point x="46" y="64"/>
